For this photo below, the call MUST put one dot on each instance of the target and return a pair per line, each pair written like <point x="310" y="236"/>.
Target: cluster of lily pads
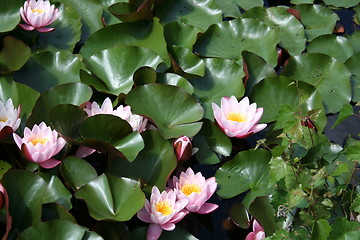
<point x="123" y="118"/>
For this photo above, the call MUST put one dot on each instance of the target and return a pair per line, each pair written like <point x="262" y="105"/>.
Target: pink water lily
<point x="183" y="148"/>
<point x="37" y="15"/>
<point x="9" y="118"/>
<point x="163" y="211"/>
<point x="257" y="233"/>
<point x="238" y="119"/>
<point x="196" y="189"/>
<point x="40" y="144"/>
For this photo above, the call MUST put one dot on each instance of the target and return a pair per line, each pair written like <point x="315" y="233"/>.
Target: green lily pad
<point x="144" y="75"/>
<point x="352" y="65"/>
<point x="187" y="61"/>
<point x="335" y="46"/>
<point x="229" y="8"/>
<point x="109" y="66"/>
<point x="62" y="229"/>
<point x="180" y="34"/>
<point x="26" y="191"/>
<point x="330" y="77"/>
<point x="176" y="234"/>
<point x="14" y="54"/>
<point x="77" y="172"/>
<point x="171" y="109"/>
<point x="111" y="230"/>
<point x="48" y="69"/>
<point x="291" y="31"/>
<point x="130" y="12"/>
<point x="153" y="165"/>
<point x="343" y="3"/>
<point x="10" y="14"/>
<point x="211" y="140"/>
<point x="142" y="34"/>
<point x="69" y="93"/>
<point x="248" y="4"/>
<point x="355" y="38"/>
<point x="249" y="169"/>
<point x="317" y="19"/>
<point x="111" y="197"/>
<point x="175" y="80"/>
<point x="52" y="211"/>
<point x="302" y="1"/>
<point x="222" y="78"/>
<point x="196" y="13"/>
<point x="228" y="39"/>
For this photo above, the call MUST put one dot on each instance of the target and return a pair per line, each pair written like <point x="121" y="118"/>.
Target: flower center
<point x="164" y="208"/>
<point x="3" y="119"/>
<point x="188" y="189"/>
<point x="38" y="11"/>
<point x="236" y="117"/>
<point x="34" y="141"/>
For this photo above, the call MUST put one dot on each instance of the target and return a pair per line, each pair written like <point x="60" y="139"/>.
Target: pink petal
<point x="8" y="216"/>
<point x="26" y="27"/>
<point x="154" y="231"/>
<point x="84" y="151"/>
<point x="144" y="216"/>
<point x="250" y="236"/>
<point x="179" y="216"/>
<point x="50" y="163"/>
<point x="207" y="208"/>
<point x="258" y="128"/>
<point x="168" y="226"/>
<point x="45" y="29"/>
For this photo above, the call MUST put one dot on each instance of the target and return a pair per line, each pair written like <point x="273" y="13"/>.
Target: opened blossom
<point x="257" y="233"/>
<point x="40" y="144"/>
<point x="238" y="119"/>
<point x="196" y="189"/>
<point x="9" y="118"/>
<point x="163" y="211"/>
<point x="37" y="15"/>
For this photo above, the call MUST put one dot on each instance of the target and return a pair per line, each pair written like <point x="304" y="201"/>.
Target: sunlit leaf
<point x="10" y="15"/>
<point x="13" y="55"/>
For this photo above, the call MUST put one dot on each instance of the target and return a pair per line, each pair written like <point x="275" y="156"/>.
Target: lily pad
<point x="180" y="34"/>
<point x="48" y="69"/>
<point x="10" y="15"/>
<point x="187" y="61"/>
<point x="175" y="80"/>
<point x="14" y="54"/>
<point x="116" y="66"/>
<point x="197" y="13"/>
<point x="344" y="3"/>
<point x="111" y="197"/>
<point x="330" y="77"/>
<point x="239" y="35"/>
<point x="171" y="109"/>
<point x="352" y="65"/>
<point x="248" y="4"/>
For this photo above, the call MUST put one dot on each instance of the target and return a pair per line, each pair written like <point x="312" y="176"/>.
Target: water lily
<point x="196" y="189"/>
<point x="238" y="119"/>
<point x="9" y="118"/>
<point x="183" y="148"/>
<point x="257" y="233"/>
<point x="40" y="144"/>
<point x="4" y="201"/>
<point x="162" y="212"/>
<point x="37" y="15"/>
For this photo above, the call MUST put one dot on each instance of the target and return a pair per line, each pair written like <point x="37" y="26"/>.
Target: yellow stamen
<point x="236" y="117"/>
<point x="34" y="141"/>
<point x="164" y="208"/>
<point x="188" y="189"/>
<point x="3" y="119"/>
<point x="39" y="11"/>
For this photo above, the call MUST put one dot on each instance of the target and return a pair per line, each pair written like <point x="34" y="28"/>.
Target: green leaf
<point x="187" y="61"/>
<point x="60" y="230"/>
<point x="344" y="4"/>
<point x="176" y="234"/>
<point x="111" y="230"/>
<point x="130" y="12"/>
<point x="249" y="169"/>
<point x="10" y="14"/>
<point x="321" y="230"/>
<point x="144" y="75"/>
<point x="262" y="210"/>
<point x="174" y="112"/>
<point x="52" y="211"/>
<point x="278" y="169"/>
<point x="302" y="1"/>
<point x="297" y="198"/>
<point x="111" y="197"/>
<point x="211" y="140"/>
<point x="330" y="77"/>
<point x="26" y="191"/>
<point x="344" y="229"/>
<point x="56" y="192"/>
<point x="335" y="46"/>
<point x="196" y="13"/>
<point x="70" y="93"/>
<point x="248" y="4"/>
<point x="317" y="19"/>
<point x="77" y="172"/>
<point x="291" y="31"/>
<point x="229" y="8"/>
<point x="355" y="206"/>
<point x="153" y="164"/>
<point x="108" y="65"/>
<point x="175" y="80"/>
<point x="222" y="78"/>
<point x="239" y="35"/>
<point x="48" y="69"/>
<point x="180" y="34"/>
<point x="142" y="34"/>
<point x="239" y="215"/>
<point x="4" y="167"/>
<point x="352" y="65"/>
<point x="345" y="112"/>
<point x="13" y="55"/>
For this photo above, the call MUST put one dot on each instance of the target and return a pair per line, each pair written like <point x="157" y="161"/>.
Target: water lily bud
<point x="238" y="119"/>
<point x="257" y="233"/>
<point x="183" y="148"/>
<point x="40" y="144"/>
<point x="9" y="118"/>
<point x="37" y="15"/>
<point x="162" y="212"/>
